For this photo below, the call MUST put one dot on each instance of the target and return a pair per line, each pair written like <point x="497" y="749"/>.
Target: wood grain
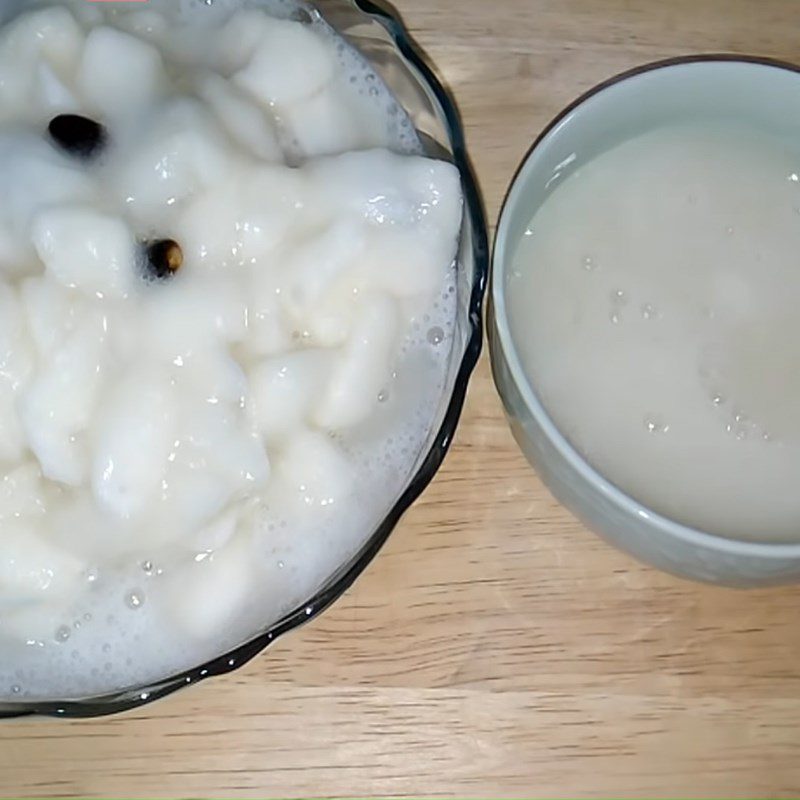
<point x="495" y="647"/>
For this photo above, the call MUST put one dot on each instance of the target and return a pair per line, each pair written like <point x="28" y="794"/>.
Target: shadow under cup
<point x="759" y="93"/>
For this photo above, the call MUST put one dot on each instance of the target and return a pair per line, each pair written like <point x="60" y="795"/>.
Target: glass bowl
<point x="376" y="30"/>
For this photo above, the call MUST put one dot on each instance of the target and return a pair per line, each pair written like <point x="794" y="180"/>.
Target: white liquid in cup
<point x="654" y="301"/>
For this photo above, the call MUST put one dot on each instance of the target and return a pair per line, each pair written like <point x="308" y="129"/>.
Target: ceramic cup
<point x="714" y="87"/>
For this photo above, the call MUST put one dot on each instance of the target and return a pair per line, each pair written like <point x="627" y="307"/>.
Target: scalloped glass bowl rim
<point x="133" y="698"/>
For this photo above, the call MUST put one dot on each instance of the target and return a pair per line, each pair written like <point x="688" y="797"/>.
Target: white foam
<point x="137" y="603"/>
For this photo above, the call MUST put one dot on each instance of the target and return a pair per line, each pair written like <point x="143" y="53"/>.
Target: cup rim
<point x="507" y="346"/>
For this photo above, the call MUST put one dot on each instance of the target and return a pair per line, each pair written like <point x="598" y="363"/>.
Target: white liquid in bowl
<point x="654" y="301"/>
<point x="183" y="461"/>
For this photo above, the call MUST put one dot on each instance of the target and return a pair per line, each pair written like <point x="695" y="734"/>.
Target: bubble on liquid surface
<point x="435" y="335"/>
<point x="738" y="428"/>
<point x="619" y="297"/>
<point x="589" y="264"/>
<point x="655" y="424"/>
<point x="62" y="634"/>
<point x="649" y="311"/>
<point x="134" y="599"/>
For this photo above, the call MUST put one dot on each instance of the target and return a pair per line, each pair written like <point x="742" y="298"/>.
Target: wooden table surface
<point x="495" y="647"/>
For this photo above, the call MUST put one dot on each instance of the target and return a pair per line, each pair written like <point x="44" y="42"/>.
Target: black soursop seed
<point x="163" y="258"/>
<point x="77" y="135"/>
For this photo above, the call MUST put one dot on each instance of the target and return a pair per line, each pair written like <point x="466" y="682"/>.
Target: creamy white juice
<point x="654" y="298"/>
<point x="226" y="311"/>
